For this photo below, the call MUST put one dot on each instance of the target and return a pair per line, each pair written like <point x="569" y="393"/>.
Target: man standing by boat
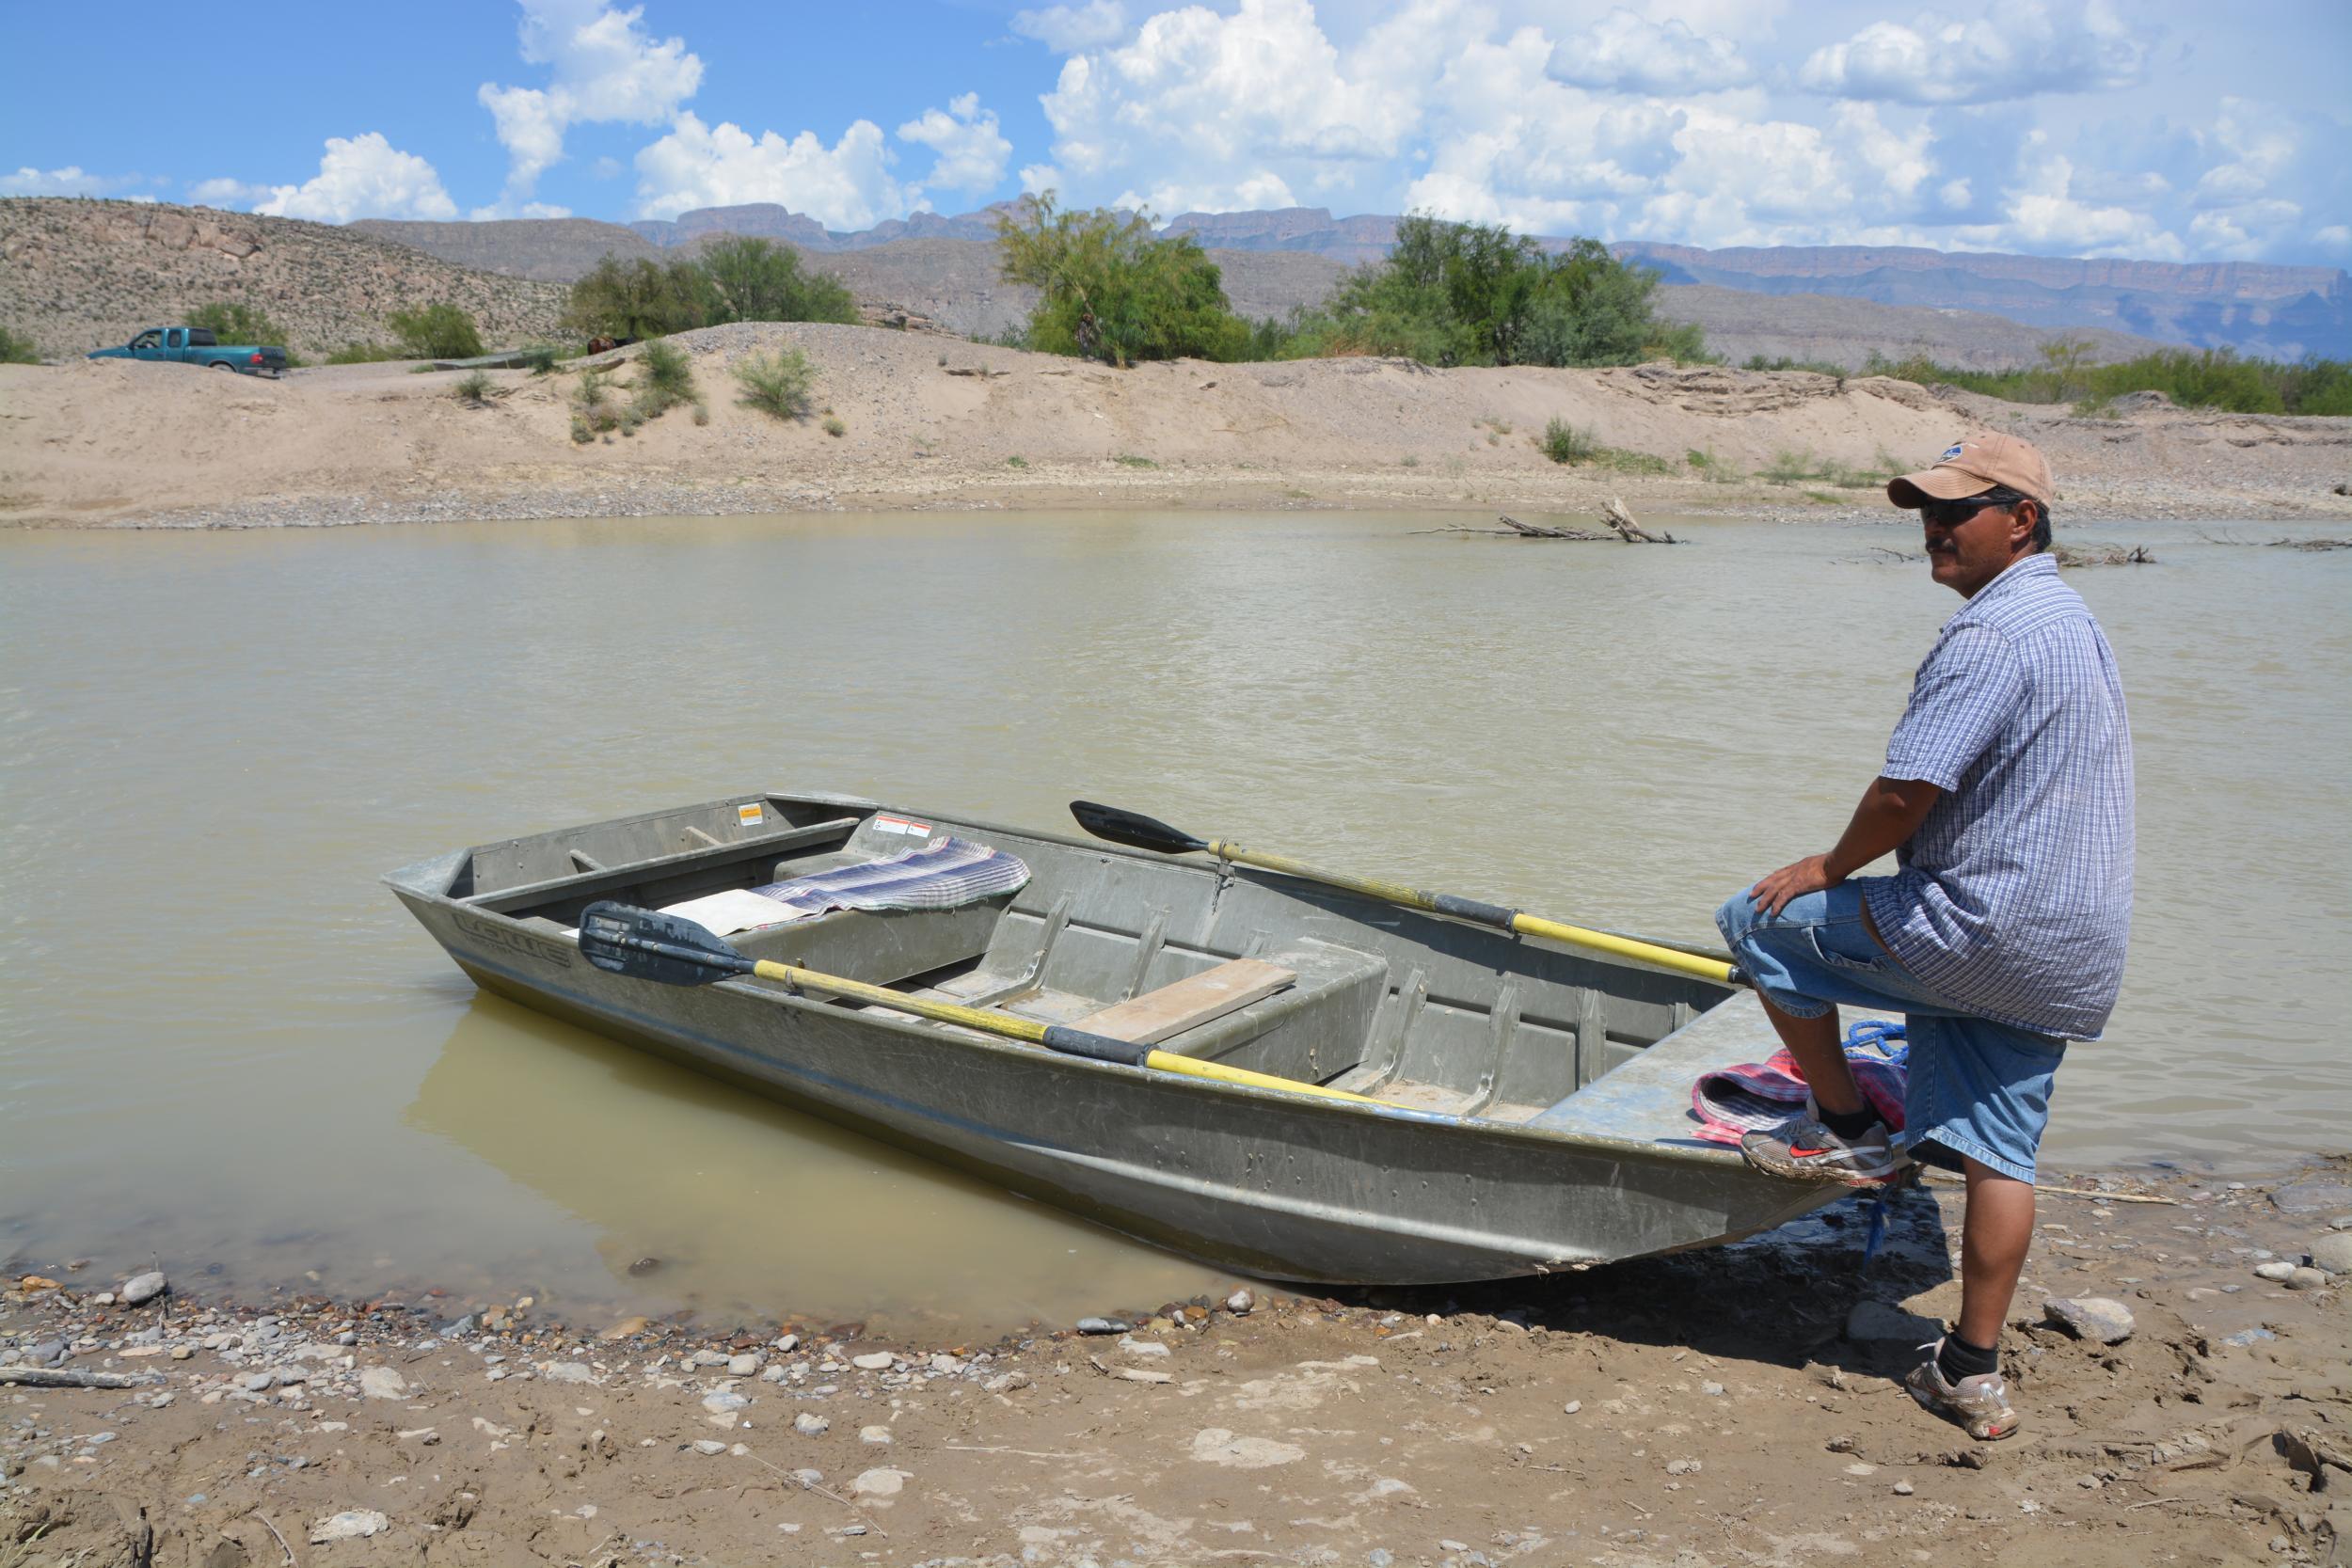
<point x="2007" y="798"/>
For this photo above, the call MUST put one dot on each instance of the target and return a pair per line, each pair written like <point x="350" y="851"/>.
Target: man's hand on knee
<point x="1794" y="880"/>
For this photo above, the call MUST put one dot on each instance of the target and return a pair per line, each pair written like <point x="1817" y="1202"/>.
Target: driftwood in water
<point x="1617" y="518"/>
<point x="71" y="1377"/>
<point x="1621" y="524"/>
<point x="2103" y="555"/>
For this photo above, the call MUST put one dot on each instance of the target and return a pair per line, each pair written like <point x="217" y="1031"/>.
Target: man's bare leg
<point x="1816" y="1043"/>
<point x="1993" y="1241"/>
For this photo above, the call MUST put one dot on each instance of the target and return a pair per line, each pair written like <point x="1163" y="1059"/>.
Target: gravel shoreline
<point x="2180" y="1352"/>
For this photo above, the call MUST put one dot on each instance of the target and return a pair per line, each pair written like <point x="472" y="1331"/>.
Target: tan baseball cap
<point x="1973" y="465"/>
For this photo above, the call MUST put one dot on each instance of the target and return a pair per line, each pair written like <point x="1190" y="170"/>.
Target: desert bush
<point x="473" y="389"/>
<point x="541" y="358"/>
<point x="1110" y="289"/>
<point x="237" y="324"/>
<point x="753" y="279"/>
<point x="1016" y="461"/>
<point x="16" y="349"/>
<point x="1563" y="443"/>
<point x="778" y="383"/>
<point x="1468" y="294"/>
<point x="665" y="375"/>
<point x="701" y="412"/>
<point x="832" y="426"/>
<point x="2194" y="378"/>
<point x="1131" y="460"/>
<point x="438" y="331"/>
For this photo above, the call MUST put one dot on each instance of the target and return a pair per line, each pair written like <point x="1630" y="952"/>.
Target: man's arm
<point x="1891" y="811"/>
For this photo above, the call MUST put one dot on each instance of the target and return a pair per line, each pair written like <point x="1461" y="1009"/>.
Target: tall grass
<point x="16" y="350"/>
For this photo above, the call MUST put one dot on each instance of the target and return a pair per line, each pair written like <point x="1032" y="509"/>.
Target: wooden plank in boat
<point x="1149" y="1018"/>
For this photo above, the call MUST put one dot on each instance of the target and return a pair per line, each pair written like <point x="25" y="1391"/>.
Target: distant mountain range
<point x="2280" y="312"/>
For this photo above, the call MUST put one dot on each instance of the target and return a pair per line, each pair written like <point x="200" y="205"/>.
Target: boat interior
<point x="1200" y="959"/>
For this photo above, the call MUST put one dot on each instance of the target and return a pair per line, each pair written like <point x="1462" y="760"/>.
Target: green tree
<point x="1477" y="294"/>
<point x="1110" y="289"/>
<point x="16" y="349"/>
<point x="438" y="331"/>
<point x="754" y="280"/>
<point x="637" y="299"/>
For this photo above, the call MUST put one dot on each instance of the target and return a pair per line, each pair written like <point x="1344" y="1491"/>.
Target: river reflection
<point x="728" y="1194"/>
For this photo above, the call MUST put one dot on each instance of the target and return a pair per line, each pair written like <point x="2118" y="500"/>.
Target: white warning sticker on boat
<point x="885" y="823"/>
<point x="750" y="816"/>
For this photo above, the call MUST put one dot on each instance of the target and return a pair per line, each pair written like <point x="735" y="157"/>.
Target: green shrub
<point x="473" y="389"/>
<point x="17" y="350"/>
<point x="1016" y="461"/>
<point x="2194" y="378"/>
<point x="237" y="325"/>
<point x="365" y="353"/>
<point x="753" y="279"/>
<point x="831" y="425"/>
<point x="1109" y="290"/>
<point x="1563" y="443"/>
<point x="438" y="331"/>
<point x="742" y="278"/>
<point x="1129" y="460"/>
<point x="665" y="375"/>
<point x="541" y="358"/>
<point x="1462" y="294"/>
<point x="777" y="383"/>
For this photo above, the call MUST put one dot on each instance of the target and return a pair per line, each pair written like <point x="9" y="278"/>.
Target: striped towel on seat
<point x="946" y="874"/>
<point x="1765" y="1096"/>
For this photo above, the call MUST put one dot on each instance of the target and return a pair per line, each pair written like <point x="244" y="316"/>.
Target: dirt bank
<point x="112" y="442"/>
<point x="1725" y="1407"/>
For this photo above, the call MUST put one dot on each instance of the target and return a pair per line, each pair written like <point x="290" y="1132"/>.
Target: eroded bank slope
<point x="923" y="424"/>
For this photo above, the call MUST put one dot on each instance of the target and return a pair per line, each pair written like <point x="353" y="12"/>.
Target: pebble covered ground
<point x="2181" y="1363"/>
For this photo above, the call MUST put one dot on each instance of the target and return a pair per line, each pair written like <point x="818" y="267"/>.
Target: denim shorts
<point x="1976" y="1088"/>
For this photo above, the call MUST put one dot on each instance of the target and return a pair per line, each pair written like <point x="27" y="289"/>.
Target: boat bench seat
<point x="1313" y="1029"/>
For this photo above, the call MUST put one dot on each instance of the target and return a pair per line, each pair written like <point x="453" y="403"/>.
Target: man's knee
<point x="1737" y="917"/>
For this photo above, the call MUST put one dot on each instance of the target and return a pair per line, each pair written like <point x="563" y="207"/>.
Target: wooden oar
<point x="647" y="945"/>
<point x="1139" y="832"/>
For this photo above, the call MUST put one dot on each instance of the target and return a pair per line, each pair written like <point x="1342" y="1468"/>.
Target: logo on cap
<point x="1953" y="451"/>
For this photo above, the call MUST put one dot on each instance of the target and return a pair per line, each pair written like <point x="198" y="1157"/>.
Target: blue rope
<point x="1889" y="1042"/>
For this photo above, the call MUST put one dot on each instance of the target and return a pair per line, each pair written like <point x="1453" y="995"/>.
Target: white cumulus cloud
<point x="360" y="177"/>
<point x="72" y="179"/>
<point x="972" y="151"/>
<point x="2015" y="49"/>
<point x="602" y="67"/>
<point x="1633" y="53"/>
<point x="847" y="186"/>
<point x="1067" y="29"/>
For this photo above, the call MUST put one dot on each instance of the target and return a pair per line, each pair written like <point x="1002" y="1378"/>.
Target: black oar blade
<point x="1134" y="830"/>
<point x="647" y="945"/>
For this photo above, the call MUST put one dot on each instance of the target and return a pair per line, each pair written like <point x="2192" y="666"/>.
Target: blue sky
<point x="2132" y="128"/>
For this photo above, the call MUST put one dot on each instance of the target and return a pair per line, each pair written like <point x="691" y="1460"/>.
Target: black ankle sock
<point x="1959" y="1359"/>
<point x="1849" y="1124"/>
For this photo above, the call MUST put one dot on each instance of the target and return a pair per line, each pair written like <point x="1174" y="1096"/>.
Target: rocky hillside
<point x="77" y="275"/>
<point x="1825" y="330"/>
<point x="554" y="250"/>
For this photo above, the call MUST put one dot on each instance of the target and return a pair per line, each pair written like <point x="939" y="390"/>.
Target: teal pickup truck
<point x="194" y="345"/>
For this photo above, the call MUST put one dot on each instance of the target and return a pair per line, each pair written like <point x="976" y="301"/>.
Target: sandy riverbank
<point x="1724" y="1407"/>
<point x="933" y="425"/>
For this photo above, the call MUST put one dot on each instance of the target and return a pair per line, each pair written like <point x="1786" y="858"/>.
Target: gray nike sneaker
<point x="1980" y="1403"/>
<point x="1809" y="1151"/>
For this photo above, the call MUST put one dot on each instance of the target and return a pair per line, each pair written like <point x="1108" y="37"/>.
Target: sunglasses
<point x="1954" y="512"/>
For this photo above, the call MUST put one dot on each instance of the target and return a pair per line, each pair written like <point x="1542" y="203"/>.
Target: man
<point x="2006" y="798"/>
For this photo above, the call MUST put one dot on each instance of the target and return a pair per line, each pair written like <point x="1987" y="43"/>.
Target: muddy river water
<point x="224" y="1047"/>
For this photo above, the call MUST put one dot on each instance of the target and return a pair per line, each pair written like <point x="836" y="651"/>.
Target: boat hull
<point x="1259" y="1181"/>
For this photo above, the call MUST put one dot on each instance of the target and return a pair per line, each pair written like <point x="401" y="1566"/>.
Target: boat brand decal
<point x="750" y="816"/>
<point x="888" y="824"/>
<point x="521" y="943"/>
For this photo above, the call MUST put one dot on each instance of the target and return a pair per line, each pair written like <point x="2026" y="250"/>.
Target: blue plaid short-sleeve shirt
<point x="2014" y="897"/>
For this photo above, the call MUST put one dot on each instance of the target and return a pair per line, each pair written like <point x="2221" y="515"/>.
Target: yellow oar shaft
<point x="1489" y="914"/>
<point x="1012" y="1027"/>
